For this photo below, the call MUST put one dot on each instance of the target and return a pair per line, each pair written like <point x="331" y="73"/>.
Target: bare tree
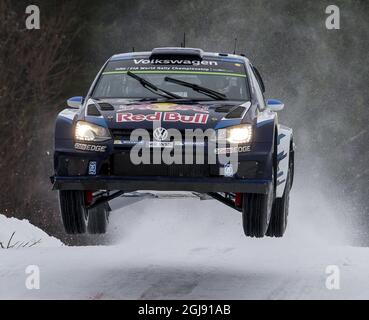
<point x="34" y="65"/>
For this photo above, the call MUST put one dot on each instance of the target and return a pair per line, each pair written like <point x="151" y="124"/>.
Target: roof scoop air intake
<point x="177" y="53"/>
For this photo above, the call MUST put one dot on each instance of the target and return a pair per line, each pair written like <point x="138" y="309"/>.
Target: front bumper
<point x="129" y="184"/>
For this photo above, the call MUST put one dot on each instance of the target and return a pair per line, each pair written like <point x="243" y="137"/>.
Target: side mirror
<point x="275" y="105"/>
<point x="75" y="102"/>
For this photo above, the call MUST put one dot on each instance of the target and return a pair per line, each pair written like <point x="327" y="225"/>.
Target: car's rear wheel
<point x="98" y="219"/>
<point x="73" y="211"/>
<point x="278" y="221"/>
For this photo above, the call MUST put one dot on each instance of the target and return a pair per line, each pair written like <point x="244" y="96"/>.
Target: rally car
<point x="174" y="119"/>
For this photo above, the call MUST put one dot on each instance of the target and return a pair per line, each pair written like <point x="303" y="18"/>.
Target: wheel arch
<point x="292" y="160"/>
<point x="64" y="121"/>
<point x="284" y="157"/>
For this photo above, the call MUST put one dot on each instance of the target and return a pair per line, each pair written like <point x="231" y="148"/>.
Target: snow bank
<point x="25" y="234"/>
<point x="192" y="249"/>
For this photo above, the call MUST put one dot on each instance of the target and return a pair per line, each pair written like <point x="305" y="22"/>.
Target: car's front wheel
<point x="256" y="213"/>
<point x="77" y="218"/>
<point x="73" y="211"/>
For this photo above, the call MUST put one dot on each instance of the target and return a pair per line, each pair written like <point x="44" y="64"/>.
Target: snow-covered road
<point x="192" y="249"/>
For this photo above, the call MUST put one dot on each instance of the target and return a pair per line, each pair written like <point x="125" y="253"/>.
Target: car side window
<point x="258" y="91"/>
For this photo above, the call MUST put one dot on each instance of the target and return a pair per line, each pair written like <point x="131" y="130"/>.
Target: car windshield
<point x="225" y="77"/>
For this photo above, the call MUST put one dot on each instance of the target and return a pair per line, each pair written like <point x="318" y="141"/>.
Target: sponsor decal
<point x="130" y="117"/>
<point x="92" y="168"/>
<point x="153" y="145"/>
<point x="159" y="144"/>
<point x="164" y="107"/>
<point x="177" y="117"/>
<point x="126" y="142"/>
<point x="176" y="70"/>
<point x="176" y="61"/>
<point x="236" y="149"/>
<point x="89" y="147"/>
<point x="228" y="170"/>
<point x="197" y="118"/>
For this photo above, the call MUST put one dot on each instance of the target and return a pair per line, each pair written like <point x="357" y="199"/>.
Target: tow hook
<point x="238" y="200"/>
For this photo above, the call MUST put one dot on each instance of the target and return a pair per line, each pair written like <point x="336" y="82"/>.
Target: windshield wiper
<point x="209" y="92"/>
<point x="153" y="88"/>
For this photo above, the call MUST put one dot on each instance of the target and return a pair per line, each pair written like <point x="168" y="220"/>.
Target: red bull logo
<point x="197" y="118"/>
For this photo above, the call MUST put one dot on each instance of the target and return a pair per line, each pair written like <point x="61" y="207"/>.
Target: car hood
<point x="120" y="114"/>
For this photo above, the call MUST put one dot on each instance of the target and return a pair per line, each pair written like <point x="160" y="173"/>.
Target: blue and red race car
<point x="174" y="119"/>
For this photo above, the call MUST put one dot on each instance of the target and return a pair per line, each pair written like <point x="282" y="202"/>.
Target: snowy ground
<point x="192" y="249"/>
<point x="15" y="234"/>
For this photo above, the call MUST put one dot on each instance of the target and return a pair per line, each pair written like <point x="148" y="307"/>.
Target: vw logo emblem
<point x="160" y="134"/>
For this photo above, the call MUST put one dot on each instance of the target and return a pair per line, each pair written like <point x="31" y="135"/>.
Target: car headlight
<point x="236" y="135"/>
<point x="86" y="131"/>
